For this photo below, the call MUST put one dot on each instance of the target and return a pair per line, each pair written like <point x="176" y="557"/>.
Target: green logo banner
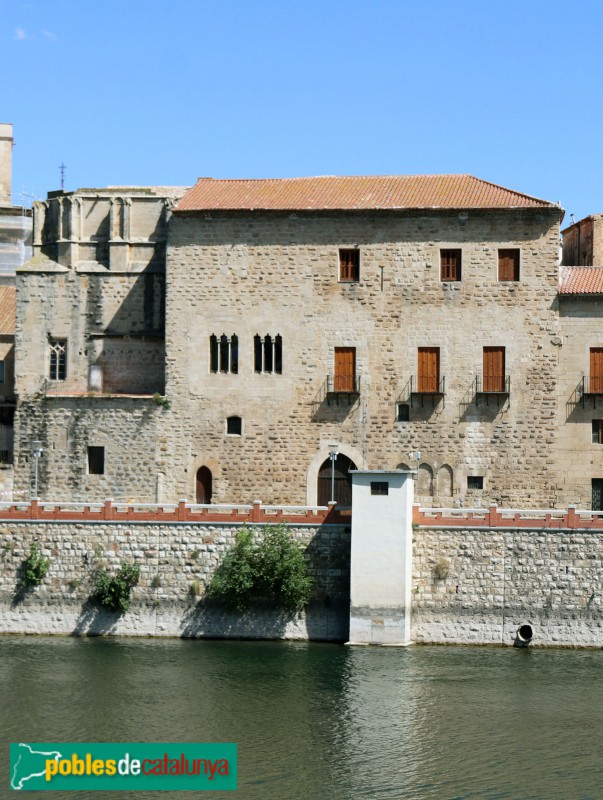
<point x="62" y="766"/>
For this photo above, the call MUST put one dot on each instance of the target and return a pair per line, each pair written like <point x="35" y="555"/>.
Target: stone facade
<point x="271" y="274"/>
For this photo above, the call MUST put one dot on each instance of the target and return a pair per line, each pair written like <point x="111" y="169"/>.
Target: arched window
<point x="268" y="353"/>
<point x="204" y="485"/>
<point x="342" y="481"/>
<point x="223" y="353"/>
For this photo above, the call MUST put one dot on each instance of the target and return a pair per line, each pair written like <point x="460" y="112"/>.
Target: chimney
<point x="6" y="162"/>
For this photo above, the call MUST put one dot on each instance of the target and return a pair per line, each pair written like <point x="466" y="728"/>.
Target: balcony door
<point x="345" y="369"/>
<point x="494" y="369"/>
<point x="596" y="370"/>
<point x="429" y="370"/>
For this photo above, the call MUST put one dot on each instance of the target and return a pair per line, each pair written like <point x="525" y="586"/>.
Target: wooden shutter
<point x="429" y="370"/>
<point x="345" y="369"/>
<point x="494" y="369"/>
<point x="450" y="265"/>
<point x="596" y="370"/>
<point x="508" y="265"/>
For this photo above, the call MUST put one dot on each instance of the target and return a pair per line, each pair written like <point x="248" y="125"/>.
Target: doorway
<point x="204" y="486"/>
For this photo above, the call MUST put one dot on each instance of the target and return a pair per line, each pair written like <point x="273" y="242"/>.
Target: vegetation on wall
<point x="35" y="567"/>
<point x="113" y="591"/>
<point x="269" y="566"/>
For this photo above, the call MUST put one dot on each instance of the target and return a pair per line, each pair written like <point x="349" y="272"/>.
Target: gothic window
<point x="224" y="353"/>
<point x="268" y="354"/>
<point x="58" y="359"/>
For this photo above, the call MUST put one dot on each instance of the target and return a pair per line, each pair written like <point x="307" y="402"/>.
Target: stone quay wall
<point x="177" y="561"/>
<point x="478" y="585"/>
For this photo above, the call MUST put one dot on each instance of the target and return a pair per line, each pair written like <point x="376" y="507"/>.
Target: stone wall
<point x="277" y="274"/>
<point x="172" y="559"/>
<point x="477" y="586"/>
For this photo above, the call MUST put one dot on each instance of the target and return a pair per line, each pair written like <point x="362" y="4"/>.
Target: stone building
<point x="90" y="339"/>
<point x="375" y="317"/>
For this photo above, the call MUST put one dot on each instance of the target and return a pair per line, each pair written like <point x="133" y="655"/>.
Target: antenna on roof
<point x="572" y="216"/>
<point x="62" y="168"/>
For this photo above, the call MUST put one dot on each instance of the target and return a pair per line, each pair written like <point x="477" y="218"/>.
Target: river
<point x="318" y="721"/>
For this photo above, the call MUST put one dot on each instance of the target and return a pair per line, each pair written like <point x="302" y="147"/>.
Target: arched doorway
<point x="204" y="485"/>
<point x="343" y="481"/>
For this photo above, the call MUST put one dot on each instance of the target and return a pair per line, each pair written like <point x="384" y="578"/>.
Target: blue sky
<point x="148" y="92"/>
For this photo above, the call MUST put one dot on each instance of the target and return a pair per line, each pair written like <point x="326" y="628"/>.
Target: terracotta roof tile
<point x="349" y="193"/>
<point x="8" y="309"/>
<point x="581" y="280"/>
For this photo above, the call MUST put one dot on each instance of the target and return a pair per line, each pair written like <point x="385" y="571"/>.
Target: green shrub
<point x="113" y="591"/>
<point x="36" y="567"/>
<point x="269" y="566"/>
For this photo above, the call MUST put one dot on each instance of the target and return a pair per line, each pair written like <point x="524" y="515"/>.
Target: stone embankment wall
<point x="176" y="561"/>
<point x="478" y="585"/>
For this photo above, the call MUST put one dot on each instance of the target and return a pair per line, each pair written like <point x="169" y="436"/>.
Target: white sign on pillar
<point x="381" y="557"/>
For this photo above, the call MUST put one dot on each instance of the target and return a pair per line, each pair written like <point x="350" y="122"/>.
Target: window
<point x="429" y="370"/>
<point x="508" y="265"/>
<point x="475" y="482"/>
<point x="597" y="494"/>
<point x="234" y="426"/>
<point x="597" y="431"/>
<point x="494" y="369"/>
<point x="379" y="487"/>
<point x="403" y="412"/>
<point x="450" y="265"/>
<point x="224" y="354"/>
<point x="268" y="354"/>
<point x="58" y="359"/>
<point x="1" y="371"/>
<point x="349" y="266"/>
<point x="96" y="460"/>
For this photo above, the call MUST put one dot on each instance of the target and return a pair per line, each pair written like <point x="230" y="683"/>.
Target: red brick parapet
<point x="494" y="517"/>
<point x="110" y="511"/>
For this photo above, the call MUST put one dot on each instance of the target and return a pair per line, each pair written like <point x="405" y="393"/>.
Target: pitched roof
<point x="350" y="193"/>
<point x="581" y="280"/>
<point x="8" y="309"/>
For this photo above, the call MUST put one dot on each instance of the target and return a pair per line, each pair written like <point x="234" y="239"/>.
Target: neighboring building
<point x="15" y="221"/>
<point x="91" y="342"/>
<point x="580" y="395"/>
<point x="386" y="315"/>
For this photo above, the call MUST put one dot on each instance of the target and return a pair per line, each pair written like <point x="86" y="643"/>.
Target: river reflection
<point x="323" y="721"/>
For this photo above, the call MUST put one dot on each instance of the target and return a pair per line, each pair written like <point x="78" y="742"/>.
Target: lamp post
<point x="37" y="452"/>
<point x="333" y="456"/>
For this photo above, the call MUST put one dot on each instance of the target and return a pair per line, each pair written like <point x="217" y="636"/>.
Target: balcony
<point x="492" y="387"/>
<point x="423" y="386"/>
<point x="342" y="389"/>
<point x="591" y="387"/>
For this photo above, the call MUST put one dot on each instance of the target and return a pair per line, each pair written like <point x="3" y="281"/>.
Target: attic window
<point x="349" y="266"/>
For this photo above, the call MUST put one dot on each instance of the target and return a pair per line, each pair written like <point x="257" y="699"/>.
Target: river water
<point x="318" y="721"/>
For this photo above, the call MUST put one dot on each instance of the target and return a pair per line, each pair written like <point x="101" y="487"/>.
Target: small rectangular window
<point x="2" y="372"/>
<point x="475" y="482"/>
<point x="403" y="412"/>
<point x="96" y="460"/>
<point x="597" y="431"/>
<point x="58" y="359"/>
<point x="508" y="264"/>
<point x="349" y="266"/>
<point x="234" y="426"/>
<point x="379" y="487"/>
<point x="450" y="265"/>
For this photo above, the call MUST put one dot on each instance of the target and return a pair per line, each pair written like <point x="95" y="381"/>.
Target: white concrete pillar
<point x="381" y="557"/>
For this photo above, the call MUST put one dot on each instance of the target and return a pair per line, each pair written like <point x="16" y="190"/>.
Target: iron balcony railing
<point x="427" y="385"/>
<point x="343" y="384"/>
<point x="592" y="384"/>
<point x="492" y="384"/>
